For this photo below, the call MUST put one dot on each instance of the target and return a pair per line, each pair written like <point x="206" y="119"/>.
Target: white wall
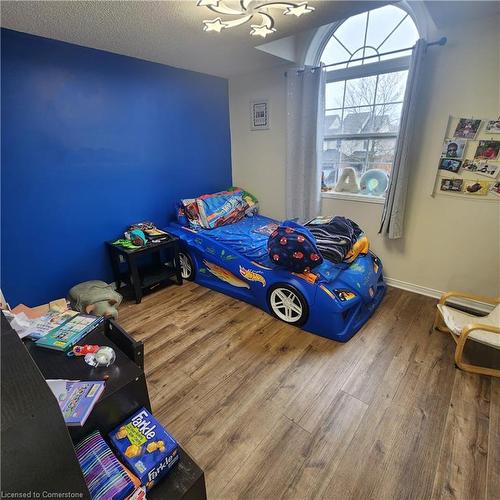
<point x="449" y="243"/>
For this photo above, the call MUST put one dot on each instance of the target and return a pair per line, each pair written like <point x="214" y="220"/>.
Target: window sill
<point x="353" y="197"/>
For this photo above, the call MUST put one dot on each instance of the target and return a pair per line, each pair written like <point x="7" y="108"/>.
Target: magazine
<point x="76" y="398"/>
<point x="67" y="335"/>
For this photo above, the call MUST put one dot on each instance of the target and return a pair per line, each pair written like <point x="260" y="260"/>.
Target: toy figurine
<point x="95" y="297"/>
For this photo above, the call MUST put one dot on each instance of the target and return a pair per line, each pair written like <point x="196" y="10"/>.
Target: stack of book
<point x="69" y="333"/>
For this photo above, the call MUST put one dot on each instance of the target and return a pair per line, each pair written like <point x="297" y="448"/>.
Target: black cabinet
<point x="37" y="447"/>
<point x="147" y="267"/>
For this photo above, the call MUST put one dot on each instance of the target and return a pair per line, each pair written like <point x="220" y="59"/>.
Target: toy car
<point x="334" y="300"/>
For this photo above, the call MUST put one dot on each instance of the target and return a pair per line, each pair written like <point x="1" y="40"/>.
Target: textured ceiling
<point x="168" y="32"/>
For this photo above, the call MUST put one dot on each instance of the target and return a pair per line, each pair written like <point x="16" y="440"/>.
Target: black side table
<point x="139" y="276"/>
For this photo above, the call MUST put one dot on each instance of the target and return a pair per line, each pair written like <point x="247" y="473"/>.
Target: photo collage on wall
<point x="472" y="154"/>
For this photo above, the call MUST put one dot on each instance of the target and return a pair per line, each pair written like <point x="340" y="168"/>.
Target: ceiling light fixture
<point x="250" y="10"/>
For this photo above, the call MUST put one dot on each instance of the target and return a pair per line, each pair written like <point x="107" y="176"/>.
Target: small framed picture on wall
<point x="259" y="114"/>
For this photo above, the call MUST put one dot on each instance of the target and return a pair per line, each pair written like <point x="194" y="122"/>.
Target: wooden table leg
<point x="177" y="264"/>
<point x="136" y="279"/>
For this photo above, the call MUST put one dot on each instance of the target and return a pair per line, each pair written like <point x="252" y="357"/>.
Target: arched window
<point x="366" y="79"/>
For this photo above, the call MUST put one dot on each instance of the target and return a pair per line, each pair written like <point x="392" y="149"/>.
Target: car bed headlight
<point x="344" y="295"/>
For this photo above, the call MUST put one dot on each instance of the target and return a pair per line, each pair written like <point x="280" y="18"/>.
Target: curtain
<point x="305" y="90"/>
<point x="392" y="220"/>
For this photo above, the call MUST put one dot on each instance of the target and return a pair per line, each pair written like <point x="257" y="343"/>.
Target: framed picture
<point x="470" y="165"/>
<point x="495" y="188"/>
<point x="488" y="168"/>
<point x="453" y="148"/>
<point x="450" y="165"/>
<point x="467" y="128"/>
<point x="259" y="114"/>
<point x="493" y="127"/>
<point x="477" y="188"/>
<point x="487" y="150"/>
<point x="453" y="185"/>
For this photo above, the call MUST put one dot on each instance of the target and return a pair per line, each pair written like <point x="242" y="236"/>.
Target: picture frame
<point x="470" y="165"/>
<point x="488" y="169"/>
<point x="487" y="150"/>
<point x="451" y="185"/>
<point x="450" y="165"/>
<point x="259" y="114"/>
<point x="493" y="127"/>
<point x="475" y="187"/>
<point x="467" y="128"/>
<point x="453" y="148"/>
<point x="495" y="188"/>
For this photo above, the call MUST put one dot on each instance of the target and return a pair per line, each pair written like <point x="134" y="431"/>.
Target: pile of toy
<point x="140" y="234"/>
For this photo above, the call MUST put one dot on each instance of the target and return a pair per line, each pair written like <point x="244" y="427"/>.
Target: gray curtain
<point x="305" y="90"/>
<point x="392" y="220"/>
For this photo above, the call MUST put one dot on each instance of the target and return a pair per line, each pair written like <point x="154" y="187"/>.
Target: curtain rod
<point x="442" y="41"/>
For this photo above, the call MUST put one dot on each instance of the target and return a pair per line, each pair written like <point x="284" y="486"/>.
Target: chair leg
<point x="480" y="370"/>
<point x="438" y="324"/>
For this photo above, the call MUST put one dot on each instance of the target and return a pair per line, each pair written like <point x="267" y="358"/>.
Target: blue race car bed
<point x="334" y="300"/>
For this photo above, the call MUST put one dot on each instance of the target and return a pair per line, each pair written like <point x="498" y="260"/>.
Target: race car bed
<point x="332" y="300"/>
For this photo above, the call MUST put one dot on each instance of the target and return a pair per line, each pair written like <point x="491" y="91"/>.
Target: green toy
<point x="95" y="297"/>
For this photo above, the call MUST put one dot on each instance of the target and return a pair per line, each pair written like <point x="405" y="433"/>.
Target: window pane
<point x="360" y="155"/>
<point x="381" y="154"/>
<point x="405" y="36"/>
<point x="381" y="22"/>
<point x="357" y="120"/>
<point x="391" y="87"/>
<point x="361" y="53"/>
<point x="334" y="95"/>
<point x="386" y="118"/>
<point x="360" y="91"/>
<point x="334" y="52"/>
<point x="333" y="122"/>
<point x="352" y="32"/>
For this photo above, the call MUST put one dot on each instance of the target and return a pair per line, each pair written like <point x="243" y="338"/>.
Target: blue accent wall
<point x="92" y="142"/>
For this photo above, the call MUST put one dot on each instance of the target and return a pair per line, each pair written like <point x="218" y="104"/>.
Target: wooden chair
<point x="463" y="326"/>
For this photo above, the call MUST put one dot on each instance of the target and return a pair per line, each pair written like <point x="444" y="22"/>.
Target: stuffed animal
<point x="95" y="297"/>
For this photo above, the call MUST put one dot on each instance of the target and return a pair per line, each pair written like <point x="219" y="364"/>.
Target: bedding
<point x="336" y="238"/>
<point x="218" y="209"/>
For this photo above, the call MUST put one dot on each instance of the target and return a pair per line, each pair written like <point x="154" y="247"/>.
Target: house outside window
<point x="366" y="80"/>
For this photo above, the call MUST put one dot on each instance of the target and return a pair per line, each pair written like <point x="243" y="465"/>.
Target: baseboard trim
<point x="481" y="307"/>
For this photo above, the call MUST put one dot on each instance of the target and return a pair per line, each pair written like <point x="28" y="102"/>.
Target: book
<point x="49" y="322"/>
<point x="70" y="333"/>
<point x="76" y="398"/>
<point x="106" y="477"/>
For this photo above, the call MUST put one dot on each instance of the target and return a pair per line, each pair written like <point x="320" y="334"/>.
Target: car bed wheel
<point x="187" y="267"/>
<point x="288" y="304"/>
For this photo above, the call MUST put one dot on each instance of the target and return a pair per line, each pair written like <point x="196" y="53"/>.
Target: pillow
<point x="293" y="247"/>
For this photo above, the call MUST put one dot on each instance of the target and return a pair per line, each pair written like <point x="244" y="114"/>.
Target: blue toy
<point x="331" y="300"/>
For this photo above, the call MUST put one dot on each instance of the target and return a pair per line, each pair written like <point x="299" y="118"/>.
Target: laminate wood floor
<point x="270" y="411"/>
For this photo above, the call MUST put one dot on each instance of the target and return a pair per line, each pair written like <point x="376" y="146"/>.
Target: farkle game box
<point x="145" y="447"/>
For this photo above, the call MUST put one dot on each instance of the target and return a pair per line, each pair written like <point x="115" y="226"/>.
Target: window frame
<point x="359" y="71"/>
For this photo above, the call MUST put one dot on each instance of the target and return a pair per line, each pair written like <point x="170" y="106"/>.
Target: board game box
<point x="147" y="449"/>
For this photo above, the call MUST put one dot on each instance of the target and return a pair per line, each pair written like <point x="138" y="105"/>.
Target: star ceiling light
<point x="250" y="10"/>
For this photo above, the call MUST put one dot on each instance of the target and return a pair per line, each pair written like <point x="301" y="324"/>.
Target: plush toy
<point x="95" y="297"/>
